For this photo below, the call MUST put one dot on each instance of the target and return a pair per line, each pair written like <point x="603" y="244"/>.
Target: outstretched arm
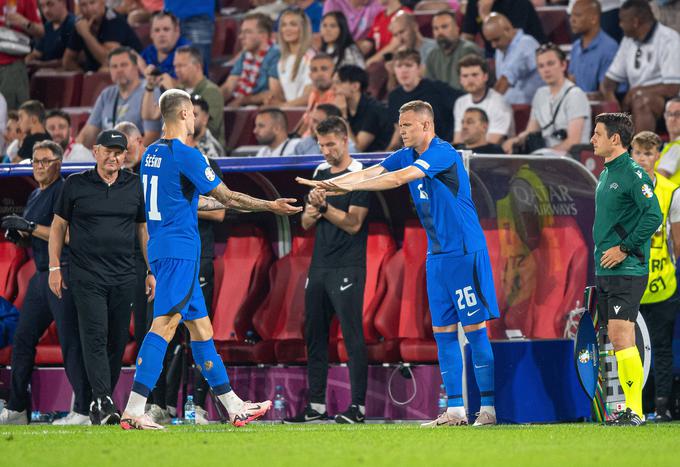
<point x="348" y="178"/>
<point x="235" y="200"/>
<point x="386" y="181"/>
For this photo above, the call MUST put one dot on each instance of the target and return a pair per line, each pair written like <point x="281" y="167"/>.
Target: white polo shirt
<point x="501" y="121"/>
<point x="658" y="59"/>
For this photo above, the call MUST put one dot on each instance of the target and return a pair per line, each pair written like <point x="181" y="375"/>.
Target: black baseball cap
<point x="112" y="139"/>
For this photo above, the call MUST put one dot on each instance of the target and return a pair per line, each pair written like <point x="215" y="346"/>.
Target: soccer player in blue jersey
<point x="173" y="175"/>
<point x="459" y="280"/>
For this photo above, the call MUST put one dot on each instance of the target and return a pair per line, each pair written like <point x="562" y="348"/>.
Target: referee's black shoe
<point x="350" y="416"/>
<point x="103" y="412"/>
<point x="309" y="415"/>
<point x="627" y="418"/>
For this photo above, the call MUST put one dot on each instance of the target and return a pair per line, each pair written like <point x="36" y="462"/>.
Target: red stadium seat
<point x="424" y="19"/>
<point x="377" y="80"/>
<point x="593" y="163"/>
<point x="225" y="38"/>
<point x="555" y="21"/>
<point x="521" y="114"/>
<point x="56" y="88"/>
<point x="24" y="276"/>
<point x="143" y="32"/>
<point x="379" y="249"/>
<point x="11" y="259"/>
<point x="93" y="85"/>
<point x="241" y="122"/>
<point x="598" y="107"/>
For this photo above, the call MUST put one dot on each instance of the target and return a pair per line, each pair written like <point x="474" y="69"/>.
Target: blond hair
<point x="420" y="107"/>
<point x="647" y="140"/>
<point x="305" y="39"/>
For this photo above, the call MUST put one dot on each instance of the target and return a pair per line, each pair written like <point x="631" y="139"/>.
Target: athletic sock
<point x="211" y="366"/>
<point x="231" y="402"/>
<point x="321" y="408"/>
<point x="490" y="409"/>
<point x="631" y="376"/>
<point x="451" y="366"/>
<point x="482" y="360"/>
<point x="149" y="366"/>
<point x="458" y="412"/>
<point x="362" y="409"/>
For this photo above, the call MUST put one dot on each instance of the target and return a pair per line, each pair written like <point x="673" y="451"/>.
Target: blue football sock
<point x="211" y="366"/>
<point x="451" y="366"/>
<point x="482" y="360"/>
<point x="149" y="363"/>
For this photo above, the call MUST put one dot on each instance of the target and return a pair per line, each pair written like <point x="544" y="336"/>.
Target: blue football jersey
<point x="173" y="175"/>
<point x="442" y="198"/>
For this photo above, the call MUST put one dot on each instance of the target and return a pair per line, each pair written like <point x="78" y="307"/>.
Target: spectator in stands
<point x="309" y="144"/>
<point x="313" y="9"/>
<point x="40" y="306"/>
<point x="359" y="13"/>
<point x="670" y="155"/>
<point x="251" y="78"/>
<point x="190" y="77"/>
<point x="133" y="154"/>
<point x="58" y="125"/>
<point x="137" y="12"/>
<point x="165" y="39"/>
<point x="516" y="74"/>
<point x="593" y="52"/>
<point x="474" y="78"/>
<point x="380" y="34"/>
<point x="197" y="24"/>
<point x="648" y="60"/>
<point x="370" y="127"/>
<point x="13" y="137"/>
<point x="336" y="277"/>
<point x="103" y="225"/>
<point x="442" y="63"/>
<point x="59" y="27"/>
<point x="667" y="12"/>
<point x="412" y="86"/>
<point x="271" y="131"/>
<point x="98" y="31"/>
<point x="520" y="13"/>
<point x="202" y="137"/>
<point x="405" y="36"/>
<point x="321" y="73"/>
<point x="609" y="19"/>
<point x="560" y="111"/>
<point x="269" y="8"/>
<point x="25" y="19"/>
<point x="295" y="44"/>
<point x="474" y="128"/>
<point x="337" y="41"/>
<point x="120" y="101"/>
<point x="32" y="125"/>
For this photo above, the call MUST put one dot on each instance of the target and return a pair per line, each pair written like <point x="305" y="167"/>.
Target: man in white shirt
<point x="271" y="130"/>
<point x="474" y="77"/>
<point x="670" y="155"/>
<point x="648" y="60"/>
<point x="58" y="125"/>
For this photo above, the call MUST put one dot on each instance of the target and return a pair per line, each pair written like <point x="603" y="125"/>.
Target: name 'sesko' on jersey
<point x="152" y="160"/>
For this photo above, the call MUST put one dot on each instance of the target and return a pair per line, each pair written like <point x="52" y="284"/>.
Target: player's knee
<point x="449" y="328"/>
<point x="165" y="326"/>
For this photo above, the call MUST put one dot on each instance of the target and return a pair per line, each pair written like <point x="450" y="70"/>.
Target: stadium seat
<point x="377" y="81"/>
<point x="555" y="21"/>
<point x="11" y="259"/>
<point x="143" y="32"/>
<point x="26" y="272"/>
<point x="240" y="282"/>
<point x="241" y="122"/>
<point x="380" y="247"/>
<point x="598" y="107"/>
<point x="521" y="114"/>
<point x="424" y="19"/>
<point x="79" y="116"/>
<point x="225" y="38"/>
<point x="93" y="85"/>
<point x="593" y="163"/>
<point x="55" y="88"/>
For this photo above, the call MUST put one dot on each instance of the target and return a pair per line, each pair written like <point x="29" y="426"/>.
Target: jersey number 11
<point x="152" y="201"/>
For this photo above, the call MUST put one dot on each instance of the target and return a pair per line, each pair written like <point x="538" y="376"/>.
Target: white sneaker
<point x="139" y="423"/>
<point x="159" y="415"/>
<point x="73" y="418"/>
<point x="201" y="416"/>
<point x="445" y="419"/>
<point x="485" y="418"/>
<point x="12" y="417"/>
<point x="249" y="411"/>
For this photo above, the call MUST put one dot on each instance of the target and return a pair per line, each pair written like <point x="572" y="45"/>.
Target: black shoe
<point x="103" y="412"/>
<point x="351" y="415"/>
<point x="309" y="415"/>
<point x="663" y="417"/>
<point x="627" y="418"/>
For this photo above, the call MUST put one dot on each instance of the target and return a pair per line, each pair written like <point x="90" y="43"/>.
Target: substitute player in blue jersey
<point x="173" y="175"/>
<point x="459" y="280"/>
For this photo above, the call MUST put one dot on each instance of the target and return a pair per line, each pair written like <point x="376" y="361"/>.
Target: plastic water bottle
<point x="443" y="399"/>
<point x="190" y="411"/>
<point x="279" y="404"/>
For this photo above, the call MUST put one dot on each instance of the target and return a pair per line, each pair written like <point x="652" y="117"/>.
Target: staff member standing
<point x="103" y="208"/>
<point x="658" y="305"/>
<point x="626" y="216"/>
<point x="40" y="306"/>
<point x="336" y="278"/>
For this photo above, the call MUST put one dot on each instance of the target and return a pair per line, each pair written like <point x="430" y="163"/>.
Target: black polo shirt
<point x="26" y="148"/>
<point x="488" y="148"/>
<point x="113" y="28"/>
<point x="40" y="209"/>
<point x="333" y="247"/>
<point x="372" y="117"/>
<point x="54" y="42"/>
<point x="103" y="221"/>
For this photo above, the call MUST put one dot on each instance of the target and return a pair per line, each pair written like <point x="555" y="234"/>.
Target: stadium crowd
<point x="498" y="83"/>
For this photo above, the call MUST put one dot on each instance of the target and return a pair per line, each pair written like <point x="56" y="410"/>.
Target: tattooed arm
<point x="240" y="201"/>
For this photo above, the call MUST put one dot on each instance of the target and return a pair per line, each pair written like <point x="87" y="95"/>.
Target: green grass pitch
<point x="335" y="445"/>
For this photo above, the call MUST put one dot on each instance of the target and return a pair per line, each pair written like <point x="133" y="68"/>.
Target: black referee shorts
<point x="618" y="297"/>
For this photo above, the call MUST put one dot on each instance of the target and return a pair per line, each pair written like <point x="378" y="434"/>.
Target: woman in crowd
<point x="336" y="40"/>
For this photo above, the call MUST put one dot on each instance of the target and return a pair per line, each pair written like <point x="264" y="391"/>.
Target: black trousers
<point x="339" y="291"/>
<point x="143" y="312"/>
<point x="660" y="320"/>
<point x="104" y="321"/>
<point x="40" y="307"/>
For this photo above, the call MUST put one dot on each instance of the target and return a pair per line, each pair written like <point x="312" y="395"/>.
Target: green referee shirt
<point x="626" y="213"/>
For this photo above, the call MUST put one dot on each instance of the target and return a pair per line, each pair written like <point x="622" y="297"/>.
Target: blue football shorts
<point x="178" y="289"/>
<point x="461" y="289"/>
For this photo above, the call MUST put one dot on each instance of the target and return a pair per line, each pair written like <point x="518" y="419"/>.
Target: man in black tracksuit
<point x="335" y="282"/>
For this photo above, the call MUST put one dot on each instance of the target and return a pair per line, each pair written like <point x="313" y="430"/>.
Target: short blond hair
<point x="647" y="140"/>
<point x="171" y="101"/>
<point x="420" y="107"/>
